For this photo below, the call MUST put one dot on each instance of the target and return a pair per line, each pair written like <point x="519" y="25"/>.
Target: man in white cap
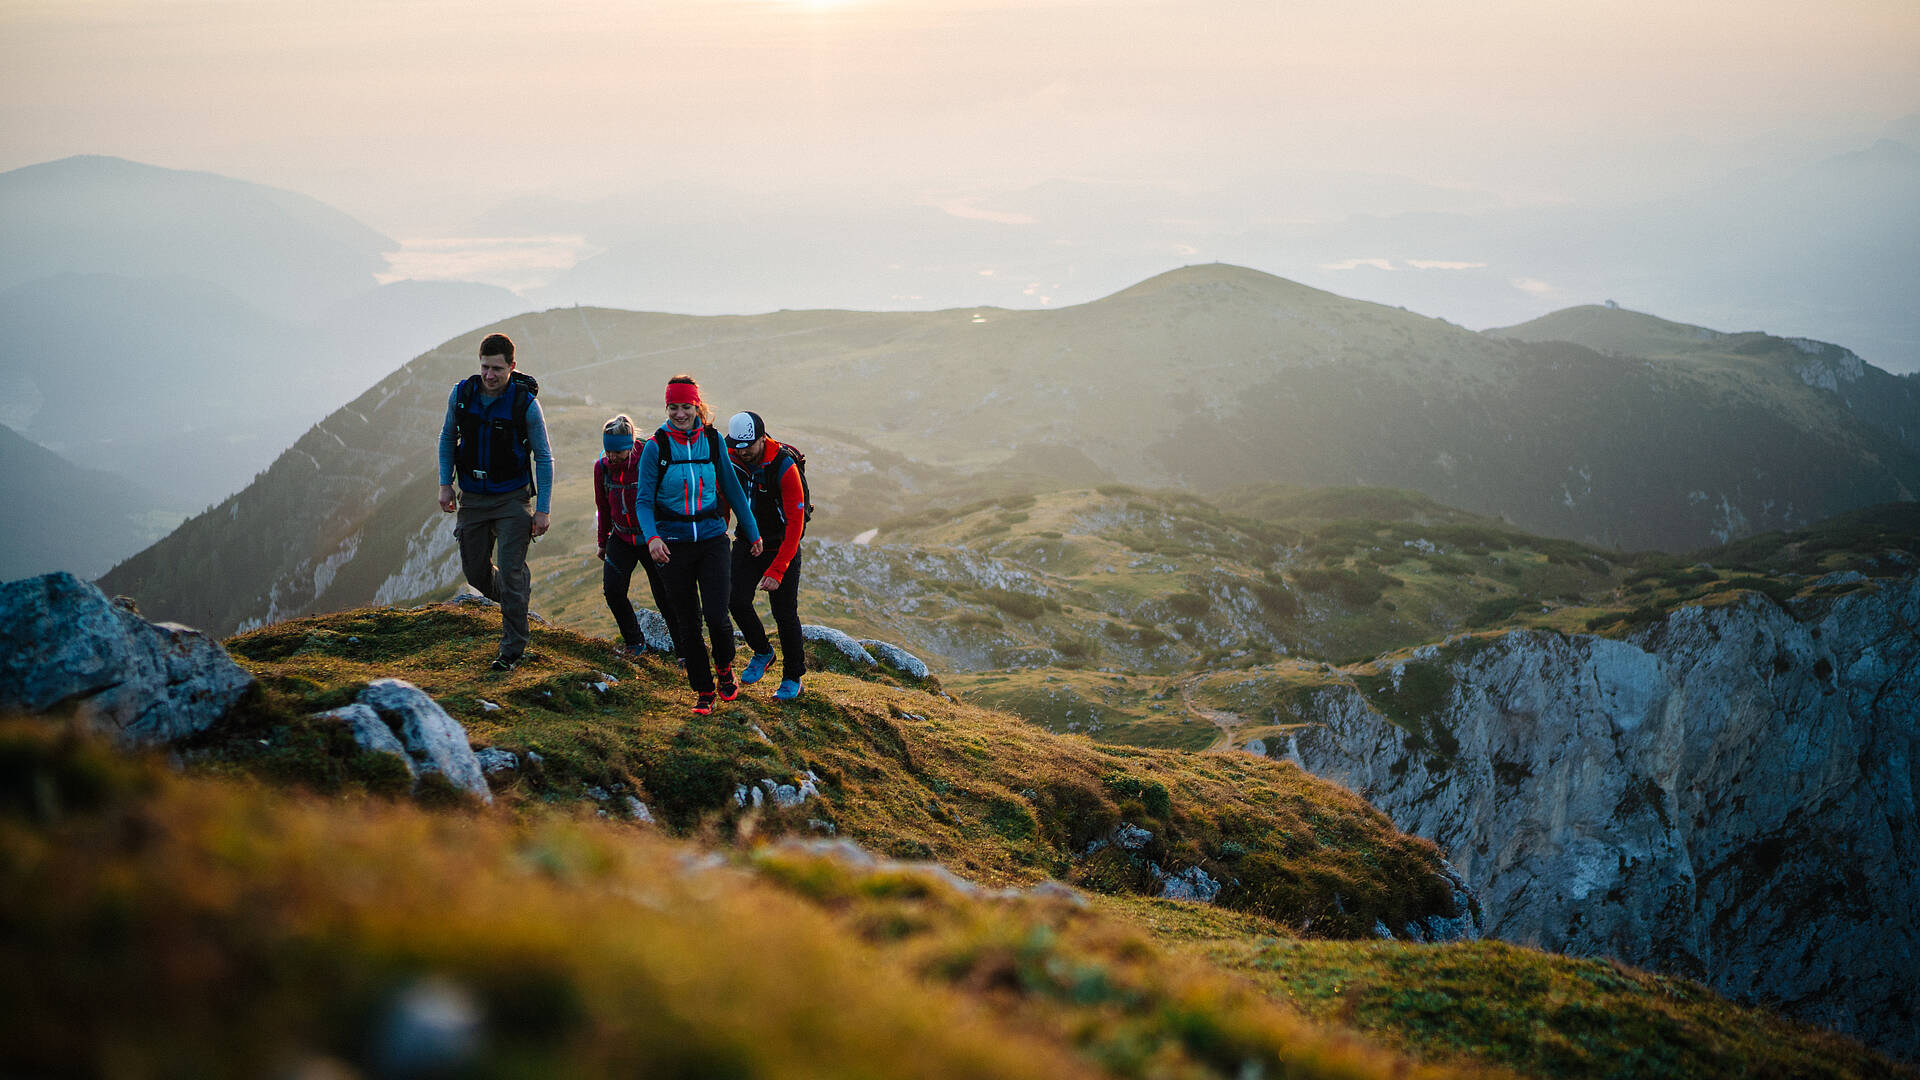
<point x="774" y="476"/>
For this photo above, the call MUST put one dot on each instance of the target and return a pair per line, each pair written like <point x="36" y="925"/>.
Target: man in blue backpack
<point x="495" y="437"/>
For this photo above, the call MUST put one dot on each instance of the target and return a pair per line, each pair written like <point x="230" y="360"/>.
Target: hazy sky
<point x="403" y="110"/>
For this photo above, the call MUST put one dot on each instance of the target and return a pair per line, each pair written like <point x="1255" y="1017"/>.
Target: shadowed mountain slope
<point x="1761" y="362"/>
<point x="66" y="516"/>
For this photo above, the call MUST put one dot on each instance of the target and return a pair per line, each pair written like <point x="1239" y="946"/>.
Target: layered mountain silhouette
<point x="285" y="253"/>
<point x="1206" y="377"/>
<point x="182" y="328"/>
<point x="65" y="515"/>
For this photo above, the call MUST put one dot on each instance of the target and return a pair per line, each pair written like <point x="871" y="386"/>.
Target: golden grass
<point x="201" y="927"/>
<point x="903" y="770"/>
<point x="212" y="924"/>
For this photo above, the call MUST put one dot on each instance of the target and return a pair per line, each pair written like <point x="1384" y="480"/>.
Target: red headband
<point x="680" y="393"/>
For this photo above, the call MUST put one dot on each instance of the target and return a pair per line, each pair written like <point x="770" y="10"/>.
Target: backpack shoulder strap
<point x="521" y="404"/>
<point x="463" y="397"/>
<point x="662" y="454"/>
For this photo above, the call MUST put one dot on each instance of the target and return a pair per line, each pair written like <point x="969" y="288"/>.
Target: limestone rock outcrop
<point x="895" y="657"/>
<point x="396" y="717"/>
<point x="842" y="643"/>
<point x="64" y="644"/>
<point x="1728" y="794"/>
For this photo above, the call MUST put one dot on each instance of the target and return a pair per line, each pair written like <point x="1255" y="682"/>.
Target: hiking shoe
<point x="756" y="667"/>
<point x="703" y="704"/>
<point x="631" y="652"/>
<point x="504" y="663"/>
<point x="728" y="688"/>
<point x="789" y="689"/>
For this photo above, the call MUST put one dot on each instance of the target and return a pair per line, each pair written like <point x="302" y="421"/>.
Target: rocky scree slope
<point x="1726" y="793"/>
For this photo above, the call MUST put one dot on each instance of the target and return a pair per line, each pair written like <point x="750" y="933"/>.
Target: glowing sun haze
<point x="391" y="108"/>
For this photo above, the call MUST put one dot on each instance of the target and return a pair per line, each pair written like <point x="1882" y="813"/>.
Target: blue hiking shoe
<point x="756" y="667"/>
<point x="789" y="689"/>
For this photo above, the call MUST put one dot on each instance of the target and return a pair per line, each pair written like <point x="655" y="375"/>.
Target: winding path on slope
<point x="1226" y="722"/>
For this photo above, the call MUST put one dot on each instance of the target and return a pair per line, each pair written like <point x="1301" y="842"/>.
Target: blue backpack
<point x="663" y="455"/>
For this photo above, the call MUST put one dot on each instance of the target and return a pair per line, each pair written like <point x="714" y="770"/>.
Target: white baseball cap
<point x="744" y="428"/>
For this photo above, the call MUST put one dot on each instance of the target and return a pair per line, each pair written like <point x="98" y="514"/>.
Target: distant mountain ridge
<point x="181" y="328"/>
<point x="1206" y="377"/>
<point x="65" y="515"/>
<point x="283" y="252"/>
<point x="1890" y="403"/>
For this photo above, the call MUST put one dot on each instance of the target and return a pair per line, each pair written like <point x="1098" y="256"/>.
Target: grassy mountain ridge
<point x="902" y="770"/>
<point x="281" y="904"/>
<point x="1208" y="378"/>
<point x="1749" y="361"/>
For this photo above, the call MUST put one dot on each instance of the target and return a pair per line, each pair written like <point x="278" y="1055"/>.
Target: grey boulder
<point x="63" y="643"/>
<point x="434" y="741"/>
<point x="842" y="642"/>
<point x="896" y="657"/>
<point x="370" y="732"/>
<point x="653" y="629"/>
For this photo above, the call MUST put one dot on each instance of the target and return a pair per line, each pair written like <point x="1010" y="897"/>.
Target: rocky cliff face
<point x="1728" y="794"/>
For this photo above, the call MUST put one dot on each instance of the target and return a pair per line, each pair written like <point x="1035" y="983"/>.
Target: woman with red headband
<point x="686" y="485"/>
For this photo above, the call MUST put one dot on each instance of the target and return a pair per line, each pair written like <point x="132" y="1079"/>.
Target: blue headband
<point x="617" y="441"/>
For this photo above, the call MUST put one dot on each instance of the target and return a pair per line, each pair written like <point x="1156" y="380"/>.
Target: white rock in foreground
<point x="841" y="641"/>
<point x="434" y="741"/>
<point x="896" y="657"/>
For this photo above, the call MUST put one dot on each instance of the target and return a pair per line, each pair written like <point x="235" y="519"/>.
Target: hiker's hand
<point x="657" y="548"/>
<point x="540" y="522"/>
<point x="756" y="547"/>
<point x="601" y="554"/>
<point x="448" y="503"/>
<point x="769" y="583"/>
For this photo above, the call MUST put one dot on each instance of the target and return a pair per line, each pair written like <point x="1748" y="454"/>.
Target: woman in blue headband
<point x="616" y="479"/>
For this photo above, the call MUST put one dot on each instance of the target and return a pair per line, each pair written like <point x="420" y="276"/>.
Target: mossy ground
<point x="1508" y="1007"/>
<point x="902" y="769"/>
<point x="206" y="925"/>
<point x="1109" y="707"/>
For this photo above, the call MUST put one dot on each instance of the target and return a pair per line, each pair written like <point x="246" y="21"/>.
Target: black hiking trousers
<point x="616" y="576"/>
<point x="697" y="582"/>
<point x="748" y="569"/>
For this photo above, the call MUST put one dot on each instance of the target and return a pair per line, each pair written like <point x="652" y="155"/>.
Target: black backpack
<point x="799" y="462"/>
<point x="530" y="389"/>
<point x="772" y="488"/>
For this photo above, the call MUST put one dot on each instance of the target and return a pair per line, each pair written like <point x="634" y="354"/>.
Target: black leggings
<point x="616" y="575"/>
<point x="696" y="581"/>
<point x="747" y="572"/>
